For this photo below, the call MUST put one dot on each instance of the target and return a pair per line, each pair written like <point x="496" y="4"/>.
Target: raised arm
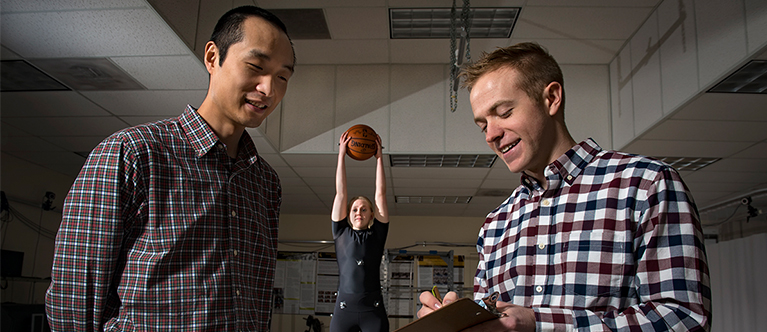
<point x="382" y="209"/>
<point x="339" y="202"/>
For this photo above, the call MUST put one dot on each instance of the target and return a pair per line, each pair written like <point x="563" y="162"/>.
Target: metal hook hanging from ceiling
<point x="461" y="51"/>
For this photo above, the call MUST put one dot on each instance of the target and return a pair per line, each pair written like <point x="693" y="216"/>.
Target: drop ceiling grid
<point x="182" y="72"/>
<point x="68" y="126"/>
<point x="48" y="104"/>
<point x="88" y="33"/>
<point x="10" y="6"/>
<point x="164" y="103"/>
<point x="707" y="130"/>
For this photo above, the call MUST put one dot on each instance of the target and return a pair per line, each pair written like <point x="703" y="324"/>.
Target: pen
<point x="435" y="292"/>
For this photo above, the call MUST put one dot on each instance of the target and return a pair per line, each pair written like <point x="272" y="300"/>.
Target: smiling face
<point x="520" y="131"/>
<point x="247" y="86"/>
<point x="360" y="213"/>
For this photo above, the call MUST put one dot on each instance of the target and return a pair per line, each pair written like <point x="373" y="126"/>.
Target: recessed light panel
<point x="432" y="199"/>
<point x="688" y="163"/>
<point x="751" y="78"/>
<point x="453" y="160"/>
<point x="19" y="75"/>
<point x="89" y="74"/>
<point x="420" y="23"/>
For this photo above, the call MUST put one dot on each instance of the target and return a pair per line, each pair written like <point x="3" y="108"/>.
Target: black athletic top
<point x="359" y="255"/>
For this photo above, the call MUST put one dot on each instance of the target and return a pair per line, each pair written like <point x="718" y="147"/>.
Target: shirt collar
<point x="203" y="139"/>
<point x="568" y="166"/>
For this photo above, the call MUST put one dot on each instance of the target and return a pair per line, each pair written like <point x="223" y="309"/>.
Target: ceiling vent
<point x="432" y="199"/>
<point x="19" y="75"/>
<point x="421" y="23"/>
<point x="92" y="74"/>
<point x="689" y="164"/>
<point x="751" y="78"/>
<point x="304" y="23"/>
<point x="450" y="161"/>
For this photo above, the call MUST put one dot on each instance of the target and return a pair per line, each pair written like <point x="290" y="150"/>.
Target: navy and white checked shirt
<point x="614" y="243"/>
<point x="163" y="231"/>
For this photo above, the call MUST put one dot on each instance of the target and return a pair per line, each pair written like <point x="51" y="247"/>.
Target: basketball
<point x="362" y="144"/>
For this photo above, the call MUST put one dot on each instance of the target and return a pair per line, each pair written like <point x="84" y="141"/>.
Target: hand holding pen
<point x="431" y="301"/>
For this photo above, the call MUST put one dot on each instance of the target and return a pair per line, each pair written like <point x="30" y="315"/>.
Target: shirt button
<point x="235" y="252"/>
<point x="541" y="246"/>
<point x="546" y="202"/>
<point x="569" y="177"/>
<point x="538" y="289"/>
<point x="238" y="291"/>
<point x="234" y="214"/>
<point x="219" y="146"/>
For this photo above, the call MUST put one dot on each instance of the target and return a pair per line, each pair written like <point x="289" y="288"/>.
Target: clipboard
<point x="453" y="317"/>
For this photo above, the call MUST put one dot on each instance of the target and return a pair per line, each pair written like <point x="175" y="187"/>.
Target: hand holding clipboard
<point x="454" y="316"/>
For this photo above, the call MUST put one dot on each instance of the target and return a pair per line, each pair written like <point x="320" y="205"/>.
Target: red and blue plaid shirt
<point x="613" y="243"/>
<point x="163" y="231"/>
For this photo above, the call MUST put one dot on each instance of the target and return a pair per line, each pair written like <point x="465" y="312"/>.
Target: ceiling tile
<point x="439" y="173"/>
<point x="10" y="6"/>
<point x="725" y="106"/>
<point x="10" y="131"/>
<point x="577" y="51"/>
<point x="664" y="148"/>
<point x="319" y="3"/>
<point x="459" y="183"/>
<point x="341" y="52"/>
<point x="420" y="50"/>
<point x="358" y="22"/>
<point x="76" y="143"/>
<point x="137" y="120"/>
<point x="20" y="143"/>
<point x="757" y="151"/>
<point x="284" y="172"/>
<point x="166" y="103"/>
<point x="184" y="72"/>
<point x="579" y="22"/>
<point x="68" y="126"/>
<point x="727" y="131"/>
<point x="93" y="33"/>
<point x="315" y="171"/>
<point x="740" y="165"/>
<point x="6" y="54"/>
<point x="48" y="103"/>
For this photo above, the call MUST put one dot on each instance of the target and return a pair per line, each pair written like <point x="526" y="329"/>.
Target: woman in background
<point x="359" y="231"/>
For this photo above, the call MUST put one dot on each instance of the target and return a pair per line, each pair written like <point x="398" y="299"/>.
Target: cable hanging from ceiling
<point x="458" y="50"/>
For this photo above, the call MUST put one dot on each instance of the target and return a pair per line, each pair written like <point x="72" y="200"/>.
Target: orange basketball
<point x="362" y="144"/>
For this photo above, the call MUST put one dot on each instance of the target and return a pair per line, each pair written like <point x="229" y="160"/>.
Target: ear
<point x="552" y="98"/>
<point x="211" y="56"/>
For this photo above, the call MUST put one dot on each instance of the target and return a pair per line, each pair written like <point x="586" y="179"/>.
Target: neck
<point x="564" y="143"/>
<point x="227" y="132"/>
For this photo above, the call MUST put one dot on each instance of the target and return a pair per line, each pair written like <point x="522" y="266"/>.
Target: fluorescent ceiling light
<point x="420" y="23"/>
<point x="432" y="199"/>
<point x="688" y="163"/>
<point x="454" y="160"/>
<point x="751" y="78"/>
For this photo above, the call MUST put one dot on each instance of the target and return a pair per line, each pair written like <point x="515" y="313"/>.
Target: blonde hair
<point x="349" y="209"/>
<point x="536" y="66"/>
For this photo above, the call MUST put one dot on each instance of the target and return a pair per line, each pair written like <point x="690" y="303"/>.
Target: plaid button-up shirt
<point x="163" y="231"/>
<point x="613" y="243"/>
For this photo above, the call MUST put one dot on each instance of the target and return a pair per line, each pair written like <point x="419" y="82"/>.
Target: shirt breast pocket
<point x="596" y="267"/>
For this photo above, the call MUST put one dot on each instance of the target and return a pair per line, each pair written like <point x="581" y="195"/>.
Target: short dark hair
<point x="536" y="66"/>
<point x="228" y="30"/>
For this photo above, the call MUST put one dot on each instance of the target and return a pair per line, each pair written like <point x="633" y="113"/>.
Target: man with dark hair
<point x="593" y="240"/>
<point x="172" y="225"/>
